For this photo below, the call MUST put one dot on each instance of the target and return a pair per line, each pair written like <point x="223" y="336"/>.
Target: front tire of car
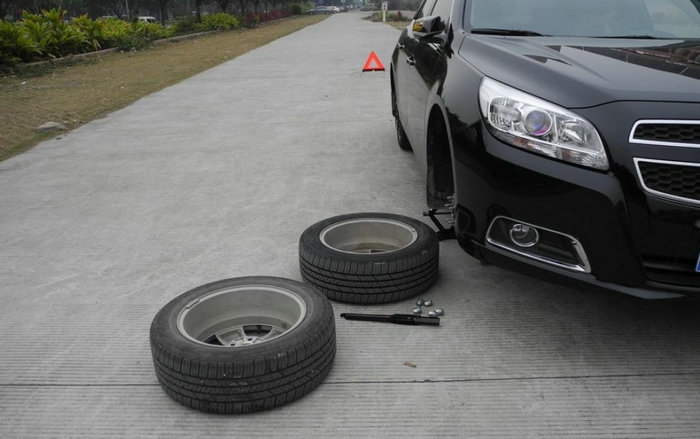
<point x="440" y="185"/>
<point x="401" y="137"/>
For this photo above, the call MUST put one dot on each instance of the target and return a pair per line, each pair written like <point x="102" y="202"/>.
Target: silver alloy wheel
<point x="243" y="344"/>
<point x="369" y="257"/>
<point x="241" y="316"/>
<point x="368" y="235"/>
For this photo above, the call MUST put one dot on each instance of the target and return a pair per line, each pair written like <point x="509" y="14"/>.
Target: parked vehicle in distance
<point x="563" y="135"/>
<point x="323" y="10"/>
<point x="147" y="19"/>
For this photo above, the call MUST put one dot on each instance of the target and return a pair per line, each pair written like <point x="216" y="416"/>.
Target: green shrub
<point x="390" y="16"/>
<point x="185" y="24"/>
<point x="151" y="31"/>
<point x="54" y="37"/>
<point x="218" y="21"/>
<point x="140" y="35"/>
<point x="132" y="41"/>
<point x="130" y="36"/>
<point x="49" y="35"/>
<point x="251" y="20"/>
<point x="296" y="9"/>
<point x="115" y="32"/>
<point x="15" y="45"/>
<point x="92" y="30"/>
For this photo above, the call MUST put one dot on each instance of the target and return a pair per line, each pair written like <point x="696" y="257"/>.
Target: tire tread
<point x="369" y="279"/>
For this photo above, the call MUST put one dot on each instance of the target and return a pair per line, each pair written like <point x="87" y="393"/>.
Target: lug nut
<point x="432" y="314"/>
<point x="428" y="302"/>
<point x="417" y="310"/>
<point x="439" y="312"/>
<point x="419" y="302"/>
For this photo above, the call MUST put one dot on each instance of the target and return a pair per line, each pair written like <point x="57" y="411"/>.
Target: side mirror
<point x="427" y="26"/>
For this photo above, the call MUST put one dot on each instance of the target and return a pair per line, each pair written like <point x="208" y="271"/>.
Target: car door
<point x="426" y="51"/>
<point x="404" y="67"/>
<point x="400" y="76"/>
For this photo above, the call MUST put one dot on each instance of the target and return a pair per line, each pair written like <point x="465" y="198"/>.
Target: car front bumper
<point x="634" y="241"/>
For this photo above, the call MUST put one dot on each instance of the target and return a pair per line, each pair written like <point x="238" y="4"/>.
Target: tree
<point x="5" y="6"/>
<point x="162" y="10"/>
<point x="242" y="4"/>
<point x="223" y="4"/>
<point x="110" y="7"/>
<point x="74" y="7"/>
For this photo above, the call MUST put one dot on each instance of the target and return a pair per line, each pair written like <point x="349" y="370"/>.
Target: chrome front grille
<point x="666" y="132"/>
<point x="678" y="181"/>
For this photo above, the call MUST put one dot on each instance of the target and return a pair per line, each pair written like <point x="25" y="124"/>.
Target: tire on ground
<point x="401" y="137"/>
<point x="369" y="257"/>
<point x="244" y="344"/>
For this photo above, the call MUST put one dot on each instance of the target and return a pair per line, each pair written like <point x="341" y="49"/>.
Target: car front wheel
<point x="401" y="137"/>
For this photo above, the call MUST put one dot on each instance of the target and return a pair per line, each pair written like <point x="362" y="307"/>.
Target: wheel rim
<point x="368" y="236"/>
<point x="241" y="316"/>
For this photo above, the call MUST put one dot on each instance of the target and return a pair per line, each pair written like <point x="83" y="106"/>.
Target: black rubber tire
<point x="373" y="277"/>
<point x="401" y="138"/>
<point x="247" y="378"/>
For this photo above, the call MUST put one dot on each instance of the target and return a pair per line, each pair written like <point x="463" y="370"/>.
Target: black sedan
<point x="563" y="135"/>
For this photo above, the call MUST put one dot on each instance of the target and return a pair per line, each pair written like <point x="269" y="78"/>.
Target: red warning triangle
<point x="373" y="64"/>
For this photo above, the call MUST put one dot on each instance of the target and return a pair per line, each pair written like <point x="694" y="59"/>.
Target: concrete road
<point x="217" y="177"/>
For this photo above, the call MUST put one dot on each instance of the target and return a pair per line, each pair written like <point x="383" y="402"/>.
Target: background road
<point x="217" y="177"/>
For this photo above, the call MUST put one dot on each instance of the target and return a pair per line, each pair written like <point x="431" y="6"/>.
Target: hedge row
<point x="49" y="35"/>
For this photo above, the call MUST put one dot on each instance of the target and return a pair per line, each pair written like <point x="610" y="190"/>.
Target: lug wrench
<point x="398" y="319"/>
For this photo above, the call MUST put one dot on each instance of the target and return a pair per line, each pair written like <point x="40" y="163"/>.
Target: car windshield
<point x="589" y="18"/>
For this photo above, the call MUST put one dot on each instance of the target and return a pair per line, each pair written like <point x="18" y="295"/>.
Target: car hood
<point x="585" y="72"/>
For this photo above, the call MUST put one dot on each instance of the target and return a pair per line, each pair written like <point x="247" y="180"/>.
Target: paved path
<point x="217" y="177"/>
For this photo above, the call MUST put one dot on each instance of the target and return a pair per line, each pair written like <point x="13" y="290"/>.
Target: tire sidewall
<point x="311" y="240"/>
<point x="165" y="334"/>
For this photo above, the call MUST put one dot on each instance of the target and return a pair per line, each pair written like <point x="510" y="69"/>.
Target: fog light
<point x="538" y="243"/>
<point x="523" y="235"/>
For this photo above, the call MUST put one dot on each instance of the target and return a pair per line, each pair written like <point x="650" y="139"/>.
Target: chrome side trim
<point x="632" y="139"/>
<point x="659" y="193"/>
<point x="583" y="267"/>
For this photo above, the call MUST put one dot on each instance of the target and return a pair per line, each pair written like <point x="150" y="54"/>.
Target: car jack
<point x="442" y="232"/>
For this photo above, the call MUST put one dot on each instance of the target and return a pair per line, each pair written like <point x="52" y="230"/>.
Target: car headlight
<point x="539" y="126"/>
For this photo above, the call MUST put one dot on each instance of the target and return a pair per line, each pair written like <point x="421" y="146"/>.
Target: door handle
<point x="411" y="61"/>
<point x="401" y="46"/>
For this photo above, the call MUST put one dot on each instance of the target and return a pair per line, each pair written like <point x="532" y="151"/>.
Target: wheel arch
<point x="394" y="107"/>
<point x="439" y="157"/>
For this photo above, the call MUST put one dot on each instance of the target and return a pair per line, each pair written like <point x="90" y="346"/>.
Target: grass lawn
<point x="87" y="89"/>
